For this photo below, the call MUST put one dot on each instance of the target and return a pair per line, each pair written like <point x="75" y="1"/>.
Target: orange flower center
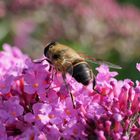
<point x="35" y="85"/>
<point x="67" y="111"/>
<point x="51" y="116"/>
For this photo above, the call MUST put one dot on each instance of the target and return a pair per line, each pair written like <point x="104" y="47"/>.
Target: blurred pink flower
<point x="97" y="26"/>
<point x="23" y="29"/>
<point x="34" y="106"/>
<point x="14" y="61"/>
<point x="138" y="66"/>
<point x="2" y="9"/>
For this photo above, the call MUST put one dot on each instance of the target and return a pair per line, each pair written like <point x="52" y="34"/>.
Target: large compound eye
<point x="56" y="56"/>
<point x="49" y="45"/>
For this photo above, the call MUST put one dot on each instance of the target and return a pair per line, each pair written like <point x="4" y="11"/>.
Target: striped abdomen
<point x="82" y="73"/>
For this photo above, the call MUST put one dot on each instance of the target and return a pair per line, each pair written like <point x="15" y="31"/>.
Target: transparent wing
<point x="100" y="62"/>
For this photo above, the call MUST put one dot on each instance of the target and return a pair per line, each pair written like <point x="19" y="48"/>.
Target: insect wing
<point x="100" y="62"/>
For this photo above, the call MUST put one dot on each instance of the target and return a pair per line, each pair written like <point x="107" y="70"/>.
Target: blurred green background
<point x="109" y="30"/>
<point x="133" y="2"/>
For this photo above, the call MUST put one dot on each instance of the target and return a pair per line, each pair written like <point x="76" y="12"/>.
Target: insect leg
<point x="53" y="72"/>
<point x="41" y="60"/>
<point x="72" y="98"/>
<point x="94" y="84"/>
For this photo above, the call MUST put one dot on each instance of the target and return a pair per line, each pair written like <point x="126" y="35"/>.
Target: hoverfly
<point x="67" y="60"/>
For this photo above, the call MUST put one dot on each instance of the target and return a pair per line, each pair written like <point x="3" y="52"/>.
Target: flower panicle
<point x="35" y="106"/>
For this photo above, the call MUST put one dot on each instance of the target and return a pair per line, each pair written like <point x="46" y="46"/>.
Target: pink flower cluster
<point x="33" y="106"/>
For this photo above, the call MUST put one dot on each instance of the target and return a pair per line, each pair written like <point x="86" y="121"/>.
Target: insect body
<point x="67" y="60"/>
